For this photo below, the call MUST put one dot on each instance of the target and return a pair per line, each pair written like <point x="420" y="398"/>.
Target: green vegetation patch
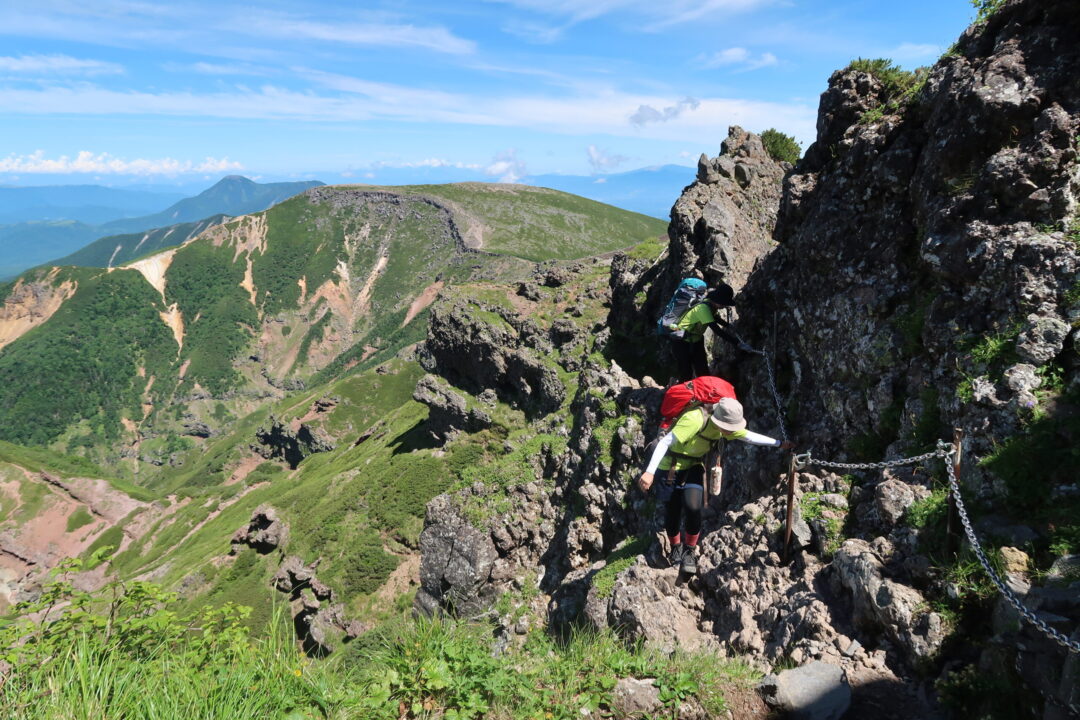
<point x="621" y="558"/>
<point x="80" y="518"/>
<point x="302" y="241"/>
<point x="814" y="507"/>
<point x="447" y="668"/>
<point x="219" y="319"/>
<point x="127" y="653"/>
<point x="83" y="364"/>
<point x="781" y="147"/>
<point x="899" y="87"/>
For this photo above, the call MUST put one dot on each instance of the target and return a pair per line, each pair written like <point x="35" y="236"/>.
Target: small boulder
<point x="633" y="698"/>
<point x="1015" y="560"/>
<point x="816" y="691"/>
<point x="265" y="532"/>
<point x="1042" y="339"/>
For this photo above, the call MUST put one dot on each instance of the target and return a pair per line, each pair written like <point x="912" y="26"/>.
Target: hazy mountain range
<point x="29" y="243"/>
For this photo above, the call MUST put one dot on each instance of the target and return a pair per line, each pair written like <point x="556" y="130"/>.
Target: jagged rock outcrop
<point x="925" y="278"/>
<point x="264" y="533"/>
<point x="290" y="442"/>
<point x="720" y="226"/>
<point x="448" y="411"/>
<point x="476" y="348"/>
<point x="319" y="620"/>
<point x="456" y="563"/>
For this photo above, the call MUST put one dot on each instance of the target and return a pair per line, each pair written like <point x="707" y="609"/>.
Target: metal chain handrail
<point x="1059" y="638"/>
<point x="805" y="459"/>
<point x="743" y="345"/>
<point x="945" y="452"/>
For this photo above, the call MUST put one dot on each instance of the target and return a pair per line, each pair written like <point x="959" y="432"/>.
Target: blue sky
<point x="115" y="91"/>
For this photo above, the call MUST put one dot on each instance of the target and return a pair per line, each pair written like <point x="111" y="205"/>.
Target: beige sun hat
<point x="727" y="415"/>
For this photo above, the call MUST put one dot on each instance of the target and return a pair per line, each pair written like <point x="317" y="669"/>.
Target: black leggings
<point x="687" y="500"/>
<point x="690" y="358"/>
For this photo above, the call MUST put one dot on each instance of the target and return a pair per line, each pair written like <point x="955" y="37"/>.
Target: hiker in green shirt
<point x="680" y="457"/>
<point x="688" y="336"/>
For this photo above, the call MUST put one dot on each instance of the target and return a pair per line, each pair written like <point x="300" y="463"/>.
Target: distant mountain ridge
<point x="82" y="203"/>
<point x="336" y="276"/>
<point x="232" y="195"/>
<point x="26" y="244"/>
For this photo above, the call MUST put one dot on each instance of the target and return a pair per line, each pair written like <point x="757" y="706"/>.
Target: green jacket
<point x="694" y="322"/>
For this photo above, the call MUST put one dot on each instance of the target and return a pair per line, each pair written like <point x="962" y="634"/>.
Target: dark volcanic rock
<point x="292" y="443"/>
<point x="478" y="349"/>
<point x="265" y="532"/>
<point x="456" y="563"/>
<point x="448" y="411"/>
<point x="720" y="226"/>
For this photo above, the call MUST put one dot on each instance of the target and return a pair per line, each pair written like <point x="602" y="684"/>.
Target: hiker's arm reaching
<point x="658" y="454"/>
<point x="749" y="436"/>
<point x="646" y="479"/>
<point x="718" y="328"/>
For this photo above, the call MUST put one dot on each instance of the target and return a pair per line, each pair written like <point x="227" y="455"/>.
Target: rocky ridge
<point x="911" y="238"/>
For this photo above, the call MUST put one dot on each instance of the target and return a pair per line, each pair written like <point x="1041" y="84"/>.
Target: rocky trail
<point x="880" y="279"/>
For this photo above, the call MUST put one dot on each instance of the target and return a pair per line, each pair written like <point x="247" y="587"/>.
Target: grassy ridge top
<point x="536" y="223"/>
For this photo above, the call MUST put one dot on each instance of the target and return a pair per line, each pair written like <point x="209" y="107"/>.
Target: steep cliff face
<point x="925" y="276"/>
<point x="720" y="226"/>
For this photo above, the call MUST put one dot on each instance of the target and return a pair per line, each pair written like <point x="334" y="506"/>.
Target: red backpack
<point x="704" y="390"/>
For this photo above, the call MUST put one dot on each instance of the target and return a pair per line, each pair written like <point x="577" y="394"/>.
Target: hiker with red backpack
<point x="681" y="454"/>
<point x="693" y="309"/>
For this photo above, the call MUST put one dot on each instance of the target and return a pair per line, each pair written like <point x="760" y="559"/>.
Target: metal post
<point x="790" y="504"/>
<point x="952" y="520"/>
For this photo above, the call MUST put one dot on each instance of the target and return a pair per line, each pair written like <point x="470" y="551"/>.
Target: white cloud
<point x="507" y="167"/>
<point x="205" y="68"/>
<point x="427" y="163"/>
<point x="646" y="114"/>
<point x="602" y="161"/>
<point x="914" y="51"/>
<point x="604" y="111"/>
<point x="372" y="34"/>
<point x="105" y="164"/>
<point x="57" y="65"/>
<point x="736" y="57"/>
<point x="662" y="15"/>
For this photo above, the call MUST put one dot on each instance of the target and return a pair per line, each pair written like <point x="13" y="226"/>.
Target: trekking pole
<point x="790" y="504"/>
<point x="952" y="517"/>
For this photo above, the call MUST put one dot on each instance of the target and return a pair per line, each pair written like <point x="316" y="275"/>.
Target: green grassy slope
<point x="538" y="223"/>
<point x="116" y="250"/>
<point x="83" y="365"/>
<point x="339" y="279"/>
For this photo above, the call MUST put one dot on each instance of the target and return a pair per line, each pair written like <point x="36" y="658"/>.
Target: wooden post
<point x="952" y="519"/>
<point x="790" y="505"/>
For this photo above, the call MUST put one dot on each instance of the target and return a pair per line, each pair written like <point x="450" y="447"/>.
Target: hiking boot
<point x="689" y="561"/>
<point x="676" y="555"/>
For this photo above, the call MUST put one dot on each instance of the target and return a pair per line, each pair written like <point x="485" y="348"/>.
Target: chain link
<point x="806" y="459"/>
<point x="944" y="451"/>
<point x="1005" y="590"/>
<point x="772" y="384"/>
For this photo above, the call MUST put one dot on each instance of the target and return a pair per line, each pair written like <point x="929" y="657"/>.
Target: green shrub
<point x="83" y="364"/>
<point x="781" y="147"/>
<point x="985" y="8"/>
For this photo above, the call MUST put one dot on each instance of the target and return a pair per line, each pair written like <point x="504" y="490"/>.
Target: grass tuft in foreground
<point x="125" y="653"/>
